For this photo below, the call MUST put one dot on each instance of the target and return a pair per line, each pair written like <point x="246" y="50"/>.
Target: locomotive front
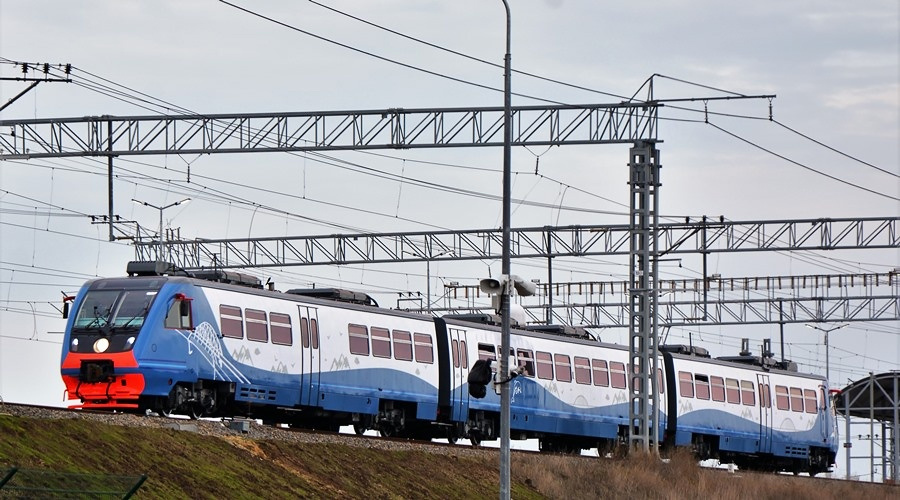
<point x="99" y="366"/>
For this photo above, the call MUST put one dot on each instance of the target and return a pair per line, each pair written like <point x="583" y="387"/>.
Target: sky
<point x="833" y="66"/>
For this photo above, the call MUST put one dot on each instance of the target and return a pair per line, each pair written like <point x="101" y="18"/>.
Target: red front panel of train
<point x="99" y="382"/>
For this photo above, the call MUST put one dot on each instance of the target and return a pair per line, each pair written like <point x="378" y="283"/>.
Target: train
<point x="218" y="343"/>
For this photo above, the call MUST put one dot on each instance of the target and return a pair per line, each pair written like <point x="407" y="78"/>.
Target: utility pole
<point x="505" y="296"/>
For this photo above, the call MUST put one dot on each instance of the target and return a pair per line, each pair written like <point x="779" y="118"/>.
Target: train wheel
<point x="359" y="429"/>
<point x="452" y="437"/>
<point x="196" y="411"/>
<point x="475" y="439"/>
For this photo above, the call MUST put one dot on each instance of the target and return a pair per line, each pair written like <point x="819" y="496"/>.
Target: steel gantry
<point x="711" y="301"/>
<point x="702" y="236"/>
<point x="394" y="128"/>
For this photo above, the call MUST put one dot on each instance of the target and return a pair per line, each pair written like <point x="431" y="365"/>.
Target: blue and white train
<point x="164" y="341"/>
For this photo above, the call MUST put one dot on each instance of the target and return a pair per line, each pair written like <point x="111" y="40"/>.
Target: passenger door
<point x="765" y="413"/>
<point x="823" y="413"/>
<point x="309" y="355"/>
<point x="459" y="362"/>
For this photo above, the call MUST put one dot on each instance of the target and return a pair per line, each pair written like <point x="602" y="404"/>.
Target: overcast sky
<point x="833" y="66"/>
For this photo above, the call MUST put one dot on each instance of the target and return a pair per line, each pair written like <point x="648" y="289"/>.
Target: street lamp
<point x="161" y="209"/>
<point x="827" y="331"/>
<point x="428" y="273"/>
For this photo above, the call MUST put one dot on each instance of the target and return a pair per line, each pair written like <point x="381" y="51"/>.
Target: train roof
<point x="770" y="366"/>
<point x="152" y="274"/>
<point x="466" y="321"/>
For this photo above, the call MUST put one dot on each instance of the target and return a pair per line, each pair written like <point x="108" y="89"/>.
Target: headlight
<point x="101" y="345"/>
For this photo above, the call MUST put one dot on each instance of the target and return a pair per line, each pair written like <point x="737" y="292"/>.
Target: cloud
<point x="870" y="95"/>
<point x="850" y="60"/>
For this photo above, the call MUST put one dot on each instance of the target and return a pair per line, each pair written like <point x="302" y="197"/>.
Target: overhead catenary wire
<point x="380" y="57"/>
<point x="820" y="143"/>
<point x="467" y="56"/>
<point x="801" y="165"/>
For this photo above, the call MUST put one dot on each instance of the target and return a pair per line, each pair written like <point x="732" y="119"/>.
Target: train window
<point x="381" y="342"/>
<point x="133" y="307"/>
<point x="526" y="362"/>
<point x="796" y="399"/>
<point x="582" y="370"/>
<point x="544" y="365"/>
<point x="179" y="315"/>
<point x="563" y="367"/>
<point x="424" y="352"/>
<point x="257" y="325"/>
<point x="732" y="391"/>
<point x="748" y="397"/>
<point x="314" y="333"/>
<point x="659" y="381"/>
<point x="781" y="398"/>
<point x="601" y="373"/>
<point x="702" y="386"/>
<point x="454" y="349"/>
<point x="232" y="321"/>
<point x="402" y="345"/>
<point x="717" y="388"/>
<point x="463" y="355"/>
<point x="304" y="332"/>
<point x="809" y="398"/>
<point x="617" y="374"/>
<point x="486" y="351"/>
<point x="686" y="384"/>
<point x="96" y="309"/>
<point x="822" y="399"/>
<point x="282" y="333"/>
<point x="359" y="339"/>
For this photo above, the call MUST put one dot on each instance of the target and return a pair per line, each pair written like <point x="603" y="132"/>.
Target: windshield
<point x="114" y="309"/>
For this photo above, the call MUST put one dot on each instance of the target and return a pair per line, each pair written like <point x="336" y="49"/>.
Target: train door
<point x="824" y="415"/>
<point x="309" y="355"/>
<point x="460" y="367"/>
<point x="765" y="413"/>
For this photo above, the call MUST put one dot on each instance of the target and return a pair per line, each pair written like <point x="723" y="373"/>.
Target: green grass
<point x="181" y="464"/>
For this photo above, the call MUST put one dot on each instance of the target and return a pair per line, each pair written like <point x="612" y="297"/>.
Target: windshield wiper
<point x="97" y="318"/>
<point x="127" y="323"/>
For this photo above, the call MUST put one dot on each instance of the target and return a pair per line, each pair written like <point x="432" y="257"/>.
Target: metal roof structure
<point x="875" y="398"/>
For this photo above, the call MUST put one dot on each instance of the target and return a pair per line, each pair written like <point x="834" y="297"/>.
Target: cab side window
<point x="179" y="315"/>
